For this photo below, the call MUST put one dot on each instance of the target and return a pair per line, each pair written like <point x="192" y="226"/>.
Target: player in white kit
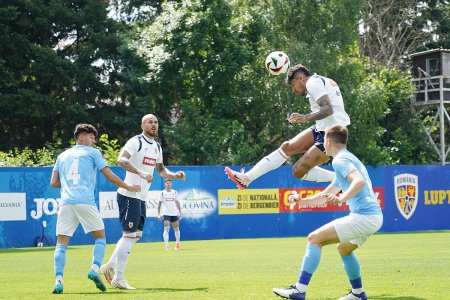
<point x="170" y="213"/>
<point x="327" y="109"/>
<point x="139" y="157"/>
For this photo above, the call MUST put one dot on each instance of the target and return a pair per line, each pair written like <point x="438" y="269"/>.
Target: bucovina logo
<point x="48" y="206"/>
<point x="406" y="188"/>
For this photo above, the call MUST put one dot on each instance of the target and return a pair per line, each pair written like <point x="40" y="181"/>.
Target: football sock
<point x="309" y="266"/>
<point x="177" y="235"/>
<point x="166" y="235"/>
<point x="59" y="279"/>
<point x="268" y="163"/>
<point x="123" y="252"/>
<point x="352" y="268"/>
<point x="60" y="259"/>
<point x="319" y="175"/>
<point x="98" y="253"/>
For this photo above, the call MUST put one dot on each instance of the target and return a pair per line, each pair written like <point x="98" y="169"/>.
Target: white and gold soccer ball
<point x="277" y="62"/>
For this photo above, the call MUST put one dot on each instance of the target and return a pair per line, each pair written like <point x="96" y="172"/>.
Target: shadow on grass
<point x="390" y="297"/>
<point x="27" y="250"/>
<point x="138" y="291"/>
<point x="176" y="290"/>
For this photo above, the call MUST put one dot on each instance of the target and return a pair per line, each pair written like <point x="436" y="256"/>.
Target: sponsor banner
<point x="13" y="207"/>
<point x="253" y="201"/>
<point x="109" y="208"/>
<point x="307" y="192"/>
<point x="45" y="207"/>
<point x="196" y="203"/>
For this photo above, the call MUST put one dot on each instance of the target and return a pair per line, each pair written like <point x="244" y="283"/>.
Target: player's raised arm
<point x="124" y="161"/>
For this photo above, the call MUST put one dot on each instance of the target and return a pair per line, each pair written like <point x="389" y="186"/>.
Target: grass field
<point x="394" y="266"/>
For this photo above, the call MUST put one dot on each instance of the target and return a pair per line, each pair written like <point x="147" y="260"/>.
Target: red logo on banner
<point x="307" y="192"/>
<point x="149" y="161"/>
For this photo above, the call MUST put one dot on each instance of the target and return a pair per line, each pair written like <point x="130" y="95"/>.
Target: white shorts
<point x="356" y="228"/>
<point x="70" y="215"/>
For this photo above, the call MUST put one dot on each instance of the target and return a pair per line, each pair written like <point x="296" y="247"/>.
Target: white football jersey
<point x="145" y="154"/>
<point x="168" y="199"/>
<point x="317" y="86"/>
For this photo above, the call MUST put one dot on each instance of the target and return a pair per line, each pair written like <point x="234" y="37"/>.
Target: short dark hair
<point x="338" y="134"/>
<point x="292" y="72"/>
<point x="81" y="128"/>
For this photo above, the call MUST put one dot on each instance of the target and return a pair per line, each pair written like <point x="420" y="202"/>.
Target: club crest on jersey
<point x="406" y="187"/>
<point x="130" y="224"/>
<point x="149" y="161"/>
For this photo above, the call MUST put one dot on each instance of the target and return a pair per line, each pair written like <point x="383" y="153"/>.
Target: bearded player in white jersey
<point x="327" y="109"/>
<point x="139" y="157"/>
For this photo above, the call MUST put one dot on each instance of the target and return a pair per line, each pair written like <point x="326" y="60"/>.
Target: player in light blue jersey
<point x="75" y="172"/>
<point x="349" y="232"/>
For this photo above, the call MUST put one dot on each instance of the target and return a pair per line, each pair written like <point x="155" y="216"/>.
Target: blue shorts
<point x="132" y="213"/>
<point x="318" y="138"/>
<point x="170" y="218"/>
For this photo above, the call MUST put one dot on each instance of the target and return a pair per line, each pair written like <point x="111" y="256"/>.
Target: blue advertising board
<point x="413" y="198"/>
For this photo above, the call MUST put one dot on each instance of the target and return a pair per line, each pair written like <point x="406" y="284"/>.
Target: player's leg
<point x="176" y="229"/>
<point x="306" y="167"/>
<point x="166" y="232"/>
<point x="325" y="235"/>
<point x="299" y="144"/>
<point x="65" y="226"/>
<point x="353" y="232"/>
<point x="92" y="222"/>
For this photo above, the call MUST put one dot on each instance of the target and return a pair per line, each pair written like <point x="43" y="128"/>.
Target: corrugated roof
<point x="430" y="51"/>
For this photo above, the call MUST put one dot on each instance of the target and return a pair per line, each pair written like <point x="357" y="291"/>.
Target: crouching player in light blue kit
<point x="75" y="172"/>
<point x="349" y="232"/>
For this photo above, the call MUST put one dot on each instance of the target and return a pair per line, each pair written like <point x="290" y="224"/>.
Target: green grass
<point x="394" y="266"/>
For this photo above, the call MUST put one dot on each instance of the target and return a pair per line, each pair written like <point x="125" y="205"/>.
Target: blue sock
<point x="352" y="268"/>
<point x="310" y="263"/>
<point x="60" y="259"/>
<point x="98" y="253"/>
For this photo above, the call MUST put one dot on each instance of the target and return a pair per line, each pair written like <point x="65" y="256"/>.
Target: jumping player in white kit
<point x="327" y="109"/>
<point x="139" y="157"/>
<point x="170" y="213"/>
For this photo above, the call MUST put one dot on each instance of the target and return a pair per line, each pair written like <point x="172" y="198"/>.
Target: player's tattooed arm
<point x="166" y="174"/>
<point x="124" y="162"/>
<point x="325" y="109"/>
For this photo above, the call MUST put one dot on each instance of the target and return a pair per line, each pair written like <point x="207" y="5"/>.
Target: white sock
<point x="94" y="268"/>
<point x="301" y="287"/>
<point x="59" y="279"/>
<point x="112" y="259"/>
<point x="177" y="235"/>
<point x="319" y="175"/>
<point x="123" y="252"/>
<point x="268" y="163"/>
<point x="166" y="236"/>
<point x="357" y="291"/>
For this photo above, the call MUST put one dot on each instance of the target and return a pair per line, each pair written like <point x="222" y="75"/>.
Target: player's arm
<point x="357" y="182"/>
<point x="55" y="181"/>
<point x="114" y="179"/>
<point x="166" y="174"/>
<point x="159" y="210"/>
<point x="124" y="162"/>
<point x="177" y="203"/>
<point x="324" y="111"/>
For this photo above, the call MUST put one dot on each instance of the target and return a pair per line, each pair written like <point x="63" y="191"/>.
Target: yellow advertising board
<point x="253" y="201"/>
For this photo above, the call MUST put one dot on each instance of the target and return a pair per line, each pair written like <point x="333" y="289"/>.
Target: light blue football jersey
<point x="77" y="169"/>
<point x="364" y="202"/>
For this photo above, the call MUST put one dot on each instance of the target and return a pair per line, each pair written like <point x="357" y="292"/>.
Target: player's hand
<point x="333" y="199"/>
<point x="180" y="216"/>
<point x="158" y="217"/>
<point x="179" y="175"/>
<point x="133" y="188"/>
<point x="293" y="199"/>
<point x="146" y="176"/>
<point x="297" y="118"/>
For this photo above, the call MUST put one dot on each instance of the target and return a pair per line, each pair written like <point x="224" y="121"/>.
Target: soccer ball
<point x="277" y="63"/>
